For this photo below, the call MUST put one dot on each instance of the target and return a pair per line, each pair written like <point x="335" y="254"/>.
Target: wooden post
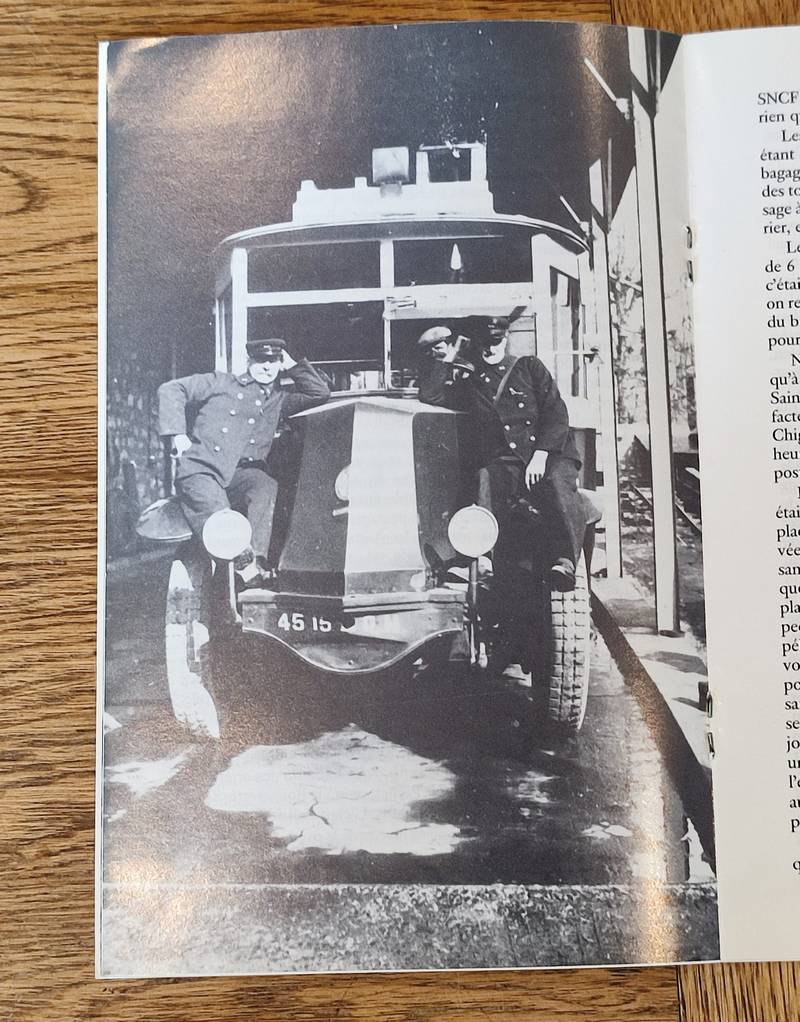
<point x="600" y="202"/>
<point x="643" y="113"/>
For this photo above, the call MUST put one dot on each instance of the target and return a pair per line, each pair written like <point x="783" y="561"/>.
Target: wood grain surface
<point x="47" y="566"/>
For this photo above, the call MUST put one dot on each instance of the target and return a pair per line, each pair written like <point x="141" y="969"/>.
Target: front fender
<point x="355" y="636"/>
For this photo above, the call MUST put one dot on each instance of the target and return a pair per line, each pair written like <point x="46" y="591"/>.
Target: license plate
<point x="296" y="622"/>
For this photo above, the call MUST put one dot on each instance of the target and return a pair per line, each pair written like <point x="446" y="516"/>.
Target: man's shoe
<point x="518" y="673"/>
<point x="255" y="579"/>
<point x="250" y="572"/>
<point x="244" y="560"/>
<point x="562" y="576"/>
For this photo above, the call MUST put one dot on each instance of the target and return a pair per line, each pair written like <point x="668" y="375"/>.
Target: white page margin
<point x="759" y="895"/>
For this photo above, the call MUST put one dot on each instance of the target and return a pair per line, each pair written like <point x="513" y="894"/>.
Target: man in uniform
<point x="529" y="459"/>
<point x="445" y="377"/>
<point x="220" y="427"/>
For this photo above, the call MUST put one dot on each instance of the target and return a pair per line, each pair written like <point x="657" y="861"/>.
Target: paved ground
<point x="413" y="780"/>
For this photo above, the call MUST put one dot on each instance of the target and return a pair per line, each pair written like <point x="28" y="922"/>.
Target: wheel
<point x="186" y="637"/>
<point x="568" y="655"/>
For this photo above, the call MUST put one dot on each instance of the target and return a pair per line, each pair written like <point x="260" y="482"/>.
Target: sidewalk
<point x="669" y="678"/>
<point x="676" y="665"/>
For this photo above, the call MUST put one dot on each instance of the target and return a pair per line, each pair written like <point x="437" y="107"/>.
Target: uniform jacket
<point x="232" y="419"/>
<point x="531" y="412"/>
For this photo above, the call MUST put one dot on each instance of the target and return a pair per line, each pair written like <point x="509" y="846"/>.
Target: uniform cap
<point x="504" y="322"/>
<point x="270" y="346"/>
<point x="433" y="335"/>
<point x="487" y="328"/>
<point x="499" y="323"/>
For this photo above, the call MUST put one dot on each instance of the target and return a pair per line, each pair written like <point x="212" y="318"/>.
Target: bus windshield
<point x="351" y="342"/>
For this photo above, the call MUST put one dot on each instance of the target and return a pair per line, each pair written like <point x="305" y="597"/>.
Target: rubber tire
<point x="569" y="655"/>
<point x="187" y="645"/>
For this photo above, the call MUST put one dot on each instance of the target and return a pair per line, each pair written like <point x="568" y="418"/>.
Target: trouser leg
<point x="253" y="493"/>
<point x="557" y="495"/>
<point x="200" y="496"/>
<point x="561" y="530"/>
<point x="498" y="482"/>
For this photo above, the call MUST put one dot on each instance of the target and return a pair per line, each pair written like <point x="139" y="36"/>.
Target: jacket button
<point x="258" y="400"/>
<point x="520" y="404"/>
<point x="232" y="411"/>
<point x="251" y="421"/>
<point x="506" y="426"/>
<point x="528" y="422"/>
<point x="252" y="441"/>
<point x="224" y="429"/>
<point x="513" y="446"/>
<point x="216" y="448"/>
<point x="531" y="437"/>
<point x="240" y="397"/>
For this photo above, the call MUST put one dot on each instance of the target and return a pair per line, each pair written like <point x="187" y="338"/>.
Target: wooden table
<point x="48" y="105"/>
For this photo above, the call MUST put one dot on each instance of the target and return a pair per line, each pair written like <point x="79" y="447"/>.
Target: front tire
<point x="568" y="658"/>
<point x="187" y="643"/>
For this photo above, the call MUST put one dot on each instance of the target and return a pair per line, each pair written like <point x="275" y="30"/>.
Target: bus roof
<point x="400" y="227"/>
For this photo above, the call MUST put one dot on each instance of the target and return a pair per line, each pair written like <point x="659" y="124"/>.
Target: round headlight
<point x="473" y="530"/>
<point x="341" y="484"/>
<point x="226" y="534"/>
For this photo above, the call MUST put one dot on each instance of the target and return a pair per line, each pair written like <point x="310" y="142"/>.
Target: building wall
<point x="134" y="453"/>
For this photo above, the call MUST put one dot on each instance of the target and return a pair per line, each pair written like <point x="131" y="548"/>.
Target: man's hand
<point x="454" y="349"/>
<point x="180" y="444"/>
<point x="535" y="469"/>
<point x="463" y="371"/>
<point x="287" y="362"/>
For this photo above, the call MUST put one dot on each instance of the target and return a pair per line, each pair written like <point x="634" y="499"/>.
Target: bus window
<point x="340" y="338"/>
<point x="462" y="261"/>
<point x="314" y="267"/>
<point x="405" y="349"/>
<point x="568" y="349"/>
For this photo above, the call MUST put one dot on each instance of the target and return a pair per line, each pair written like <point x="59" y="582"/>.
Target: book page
<point x="396" y="375"/>
<point x="743" y="94"/>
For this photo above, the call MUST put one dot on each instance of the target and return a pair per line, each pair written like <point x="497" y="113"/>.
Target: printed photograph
<point x="403" y="655"/>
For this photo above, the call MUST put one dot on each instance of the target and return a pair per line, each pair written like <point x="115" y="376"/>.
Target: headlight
<point x="473" y="530"/>
<point x="226" y="534"/>
<point x="341" y="485"/>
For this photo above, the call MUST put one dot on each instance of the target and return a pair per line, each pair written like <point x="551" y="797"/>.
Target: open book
<point x="450" y="499"/>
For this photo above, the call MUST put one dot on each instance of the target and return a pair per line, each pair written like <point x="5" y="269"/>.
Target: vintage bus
<point x="374" y="529"/>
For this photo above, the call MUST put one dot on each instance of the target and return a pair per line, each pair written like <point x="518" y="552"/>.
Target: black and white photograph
<point x="402" y="652"/>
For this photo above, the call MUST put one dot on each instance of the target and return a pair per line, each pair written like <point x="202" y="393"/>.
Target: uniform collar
<point x="245" y="379"/>
<point x="496" y="367"/>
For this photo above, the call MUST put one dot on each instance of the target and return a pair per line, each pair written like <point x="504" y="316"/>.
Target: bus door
<point x="562" y="342"/>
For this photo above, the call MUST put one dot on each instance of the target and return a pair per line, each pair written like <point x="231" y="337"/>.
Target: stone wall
<point x="134" y="453"/>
